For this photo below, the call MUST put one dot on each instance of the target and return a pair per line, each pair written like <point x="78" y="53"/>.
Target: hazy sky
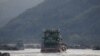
<point x="12" y="8"/>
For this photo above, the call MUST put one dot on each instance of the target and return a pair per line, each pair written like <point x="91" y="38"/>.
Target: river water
<point x="69" y="52"/>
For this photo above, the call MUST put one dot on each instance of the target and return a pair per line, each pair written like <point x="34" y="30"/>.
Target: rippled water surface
<point x="69" y="52"/>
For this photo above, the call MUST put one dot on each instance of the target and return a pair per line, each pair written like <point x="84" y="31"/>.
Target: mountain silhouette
<point x="78" y="21"/>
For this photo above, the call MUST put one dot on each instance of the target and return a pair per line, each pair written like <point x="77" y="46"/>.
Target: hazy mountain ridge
<point x="75" y="18"/>
<point x="86" y="26"/>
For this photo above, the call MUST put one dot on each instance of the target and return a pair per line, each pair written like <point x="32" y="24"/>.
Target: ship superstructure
<point x="52" y="42"/>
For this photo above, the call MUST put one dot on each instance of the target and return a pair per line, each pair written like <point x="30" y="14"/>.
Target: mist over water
<point x="69" y="52"/>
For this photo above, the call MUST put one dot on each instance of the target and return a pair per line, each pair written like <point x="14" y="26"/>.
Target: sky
<point x="12" y="8"/>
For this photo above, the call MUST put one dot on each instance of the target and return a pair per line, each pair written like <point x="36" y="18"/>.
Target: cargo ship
<point x="52" y="42"/>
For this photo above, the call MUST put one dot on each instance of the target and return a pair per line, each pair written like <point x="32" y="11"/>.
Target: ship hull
<point x="53" y="50"/>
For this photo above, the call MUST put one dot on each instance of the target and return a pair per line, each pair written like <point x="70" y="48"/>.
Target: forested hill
<point x="78" y="21"/>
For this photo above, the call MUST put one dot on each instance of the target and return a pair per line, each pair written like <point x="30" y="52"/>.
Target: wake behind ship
<point x="52" y="42"/>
